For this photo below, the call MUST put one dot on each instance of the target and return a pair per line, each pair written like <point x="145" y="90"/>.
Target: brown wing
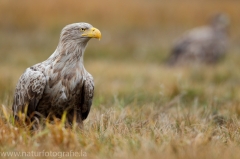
<point x="28" y="91"/>
<point x="87" y="96"/>
<point x="178" y="50"/>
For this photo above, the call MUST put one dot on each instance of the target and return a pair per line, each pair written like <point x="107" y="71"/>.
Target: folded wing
<point x="28" y="91"/>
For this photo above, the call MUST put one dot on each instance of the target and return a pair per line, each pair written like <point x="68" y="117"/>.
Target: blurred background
<point x="128" y="62"/>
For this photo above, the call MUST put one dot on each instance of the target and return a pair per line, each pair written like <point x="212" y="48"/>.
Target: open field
<point x="141" y="107"/>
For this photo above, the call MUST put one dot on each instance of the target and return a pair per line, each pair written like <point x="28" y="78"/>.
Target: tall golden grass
<point x="141" y="108"/>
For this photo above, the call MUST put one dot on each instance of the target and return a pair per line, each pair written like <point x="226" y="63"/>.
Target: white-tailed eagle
<point x="202" y="45"/>
<point x="61" y="83"/>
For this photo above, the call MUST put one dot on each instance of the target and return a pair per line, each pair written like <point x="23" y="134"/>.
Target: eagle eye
<point x="82" y="29"/>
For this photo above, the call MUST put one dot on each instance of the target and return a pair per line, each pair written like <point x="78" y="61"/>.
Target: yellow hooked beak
<point x="92" y="33"/>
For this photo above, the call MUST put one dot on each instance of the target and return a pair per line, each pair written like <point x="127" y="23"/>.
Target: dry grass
<point x="141" y="108"/>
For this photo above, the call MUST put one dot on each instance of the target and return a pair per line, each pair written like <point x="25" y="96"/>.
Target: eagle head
<point x="220" y="21"/>
<point x="79" y="33"/>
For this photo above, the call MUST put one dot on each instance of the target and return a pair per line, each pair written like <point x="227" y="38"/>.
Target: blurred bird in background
<point x="206" y="44"/>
